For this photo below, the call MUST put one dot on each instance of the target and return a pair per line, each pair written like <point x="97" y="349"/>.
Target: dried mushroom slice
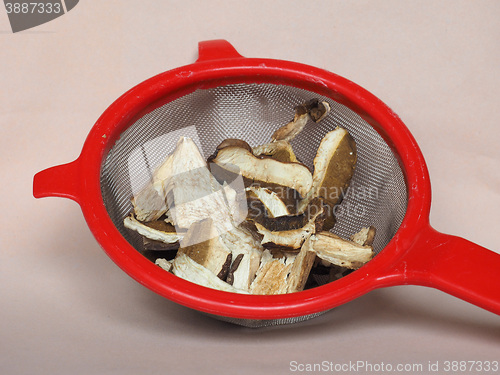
<point x="191" y="191"/>
<point x="272" y="204"/>
<point x="225" y="176"/>
<point x="236" y="200"/>
<point x="278" y="150"/>
<point x="203" y="245"/>
<point x="333" y="169"/>
<point x="282" y="271"/>
<point x="156" y="246"/>
<point x="301" y="267"/>
<point x="315" y="212"/>
<point x="313" y="109"/>
<point x="239" y="160"/>
<point x="183" y="187"/>
<point x="154" y="230"/>
<point x="271" y="276"/>
<point x="165" y="264"/>
<point x="317" y="110"/>
<point x="148" y="204"/>
<point x="290" y="231"/>
<point x="340" y="252"/>
<point x="290" y="197"/>
<point x="246" y="251"/>
<point x="294" y="127"/>
<point x="186" y="268"/>
<point x="365" y="236"/>
<point x="234" y="142"/>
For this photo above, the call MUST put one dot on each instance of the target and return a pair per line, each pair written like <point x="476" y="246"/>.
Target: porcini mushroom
<point x="185" y="267"/>
<point x="365" y="236"/>
<point x="271" y="204"/>
<point x="239" y="160"/>
<point x="278" y="150"/>
<point x="290" y="231"/>
<point x="313" y="109"/>
<point x="271" y="277"/>
<point x="203" y="244"/>
<point x="340" y="252"/>
<point x="334" y="166"/>
<point x="154" y="230"/>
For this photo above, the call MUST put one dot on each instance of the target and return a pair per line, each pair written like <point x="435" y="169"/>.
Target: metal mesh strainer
<point x="224" y="95"/>
<point x="377" y="194"/>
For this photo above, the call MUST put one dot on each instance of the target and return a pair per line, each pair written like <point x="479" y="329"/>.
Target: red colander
<point x="225" y="95"/>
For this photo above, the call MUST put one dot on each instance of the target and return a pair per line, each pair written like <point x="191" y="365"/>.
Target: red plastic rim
<point x="224" y="68"/>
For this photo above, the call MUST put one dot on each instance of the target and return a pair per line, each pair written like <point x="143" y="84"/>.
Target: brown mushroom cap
<point x="334" y="166"/>
<point x="228" y="142"/>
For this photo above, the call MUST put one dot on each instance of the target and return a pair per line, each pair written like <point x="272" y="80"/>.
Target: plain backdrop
<point x="66" y="308"/>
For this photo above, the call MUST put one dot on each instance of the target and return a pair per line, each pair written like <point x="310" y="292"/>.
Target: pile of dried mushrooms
<point x="253" y="219"/>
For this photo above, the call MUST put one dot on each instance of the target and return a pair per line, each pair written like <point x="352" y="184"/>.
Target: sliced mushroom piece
<point x="155" y="246"/>
<point x="202" y="244"/>
<point x="241" y="242"/>
<point x="334" y="166"/>
<point x="271" y="276"/>
<point x="293" y="222"/>
<point x="282" y="271"/>
<point x="317" y="110"/>
<point x="290" y="197"/>
<point x="267" y="171"/>
<point x="313" y="109"/>
<point x="278" y="150"/>
<point x="340" y="252"/>
<point x="148" y="204"/>
<point x="230" y="142"/>
<point x="290" y="231"/>
<point x="365" y="236"/>
<point x="236" y="199"/>
<point x="183" y="186"/>
<point x="192" y="193"/>
<point x="154" y="230"/>
<point x="186" y="268"/>
<point x="165" y="264"/>
<point x="271" y="202"/>
<point x="294" y="127"/>
<point x="301" y="267"/>
<point x="226" y="268"/>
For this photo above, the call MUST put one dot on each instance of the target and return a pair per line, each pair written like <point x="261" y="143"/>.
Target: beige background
<point x="67" y="309"/>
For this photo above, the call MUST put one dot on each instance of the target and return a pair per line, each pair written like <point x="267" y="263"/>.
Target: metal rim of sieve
<point x="220" y="64"/>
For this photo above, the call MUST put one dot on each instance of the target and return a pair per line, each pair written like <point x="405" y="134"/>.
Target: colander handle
<point x="59" y="181"/>
<point x="455" y="266"/>
<point x="216" y="50"/>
